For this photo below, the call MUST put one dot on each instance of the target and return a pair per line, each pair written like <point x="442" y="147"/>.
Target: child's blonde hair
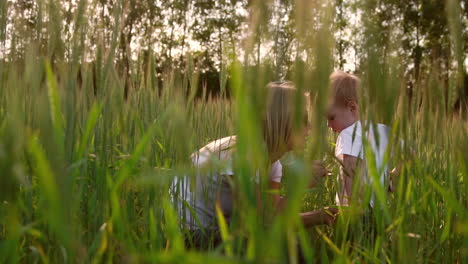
<point x="278" y="121"/>
<point x="344" y="87"/>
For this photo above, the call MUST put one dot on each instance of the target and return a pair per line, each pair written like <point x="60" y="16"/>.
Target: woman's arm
<point x="277" y="200"/>
<point x="393" y="178"/>
<point x="274" y="201"/>
<point x="326" y="216"/>
<point x="318" y="172"/>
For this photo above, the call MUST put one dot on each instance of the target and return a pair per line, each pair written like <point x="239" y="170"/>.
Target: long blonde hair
<point x="281" y="109"/>
<point x="278" y="120"/>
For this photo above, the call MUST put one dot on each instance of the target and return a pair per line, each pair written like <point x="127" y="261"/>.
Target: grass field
<point x="85" y="172"/>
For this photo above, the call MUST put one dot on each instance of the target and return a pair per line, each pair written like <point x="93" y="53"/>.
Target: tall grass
<point x="85" y="172"/>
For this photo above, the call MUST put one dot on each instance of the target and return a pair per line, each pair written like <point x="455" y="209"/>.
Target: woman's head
<point x="285" y="120"/>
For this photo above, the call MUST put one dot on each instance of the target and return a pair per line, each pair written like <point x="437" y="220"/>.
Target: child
<point x="212" y="184"/>
<point x="343" y="118"/>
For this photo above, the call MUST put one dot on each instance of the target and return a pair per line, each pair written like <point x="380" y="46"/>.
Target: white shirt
<point x="213" y="165"/>
<point x="350" y="142"/>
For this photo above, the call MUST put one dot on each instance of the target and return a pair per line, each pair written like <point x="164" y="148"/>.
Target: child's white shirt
<point x="350" y="142"/>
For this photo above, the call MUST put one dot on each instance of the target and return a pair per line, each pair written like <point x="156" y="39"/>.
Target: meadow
<point x="86" y="166"/>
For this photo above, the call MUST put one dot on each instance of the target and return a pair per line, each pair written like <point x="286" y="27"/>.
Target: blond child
<point x="344" y="118"/>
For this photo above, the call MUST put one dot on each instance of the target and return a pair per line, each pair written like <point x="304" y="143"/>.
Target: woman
<point x="212" y="184"/>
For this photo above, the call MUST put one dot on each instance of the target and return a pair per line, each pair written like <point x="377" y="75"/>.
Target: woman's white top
<point x="213" y="164"/>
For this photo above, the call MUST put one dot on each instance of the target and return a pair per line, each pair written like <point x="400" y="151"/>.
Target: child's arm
<point x="347" y="171"/>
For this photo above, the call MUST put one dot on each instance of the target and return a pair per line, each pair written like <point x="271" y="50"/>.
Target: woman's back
<point x="211" y="184"/>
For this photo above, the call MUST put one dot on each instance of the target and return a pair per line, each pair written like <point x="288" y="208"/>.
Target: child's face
<point x="340" y="117"/>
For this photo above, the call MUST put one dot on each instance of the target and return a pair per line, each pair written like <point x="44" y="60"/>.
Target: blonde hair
<point x="344" y="87"/>
<point x="277" y="124"/>
<point x="278" y="121"/>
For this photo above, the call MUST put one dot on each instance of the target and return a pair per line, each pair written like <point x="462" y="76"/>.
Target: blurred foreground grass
<point x="85" y="171"/>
